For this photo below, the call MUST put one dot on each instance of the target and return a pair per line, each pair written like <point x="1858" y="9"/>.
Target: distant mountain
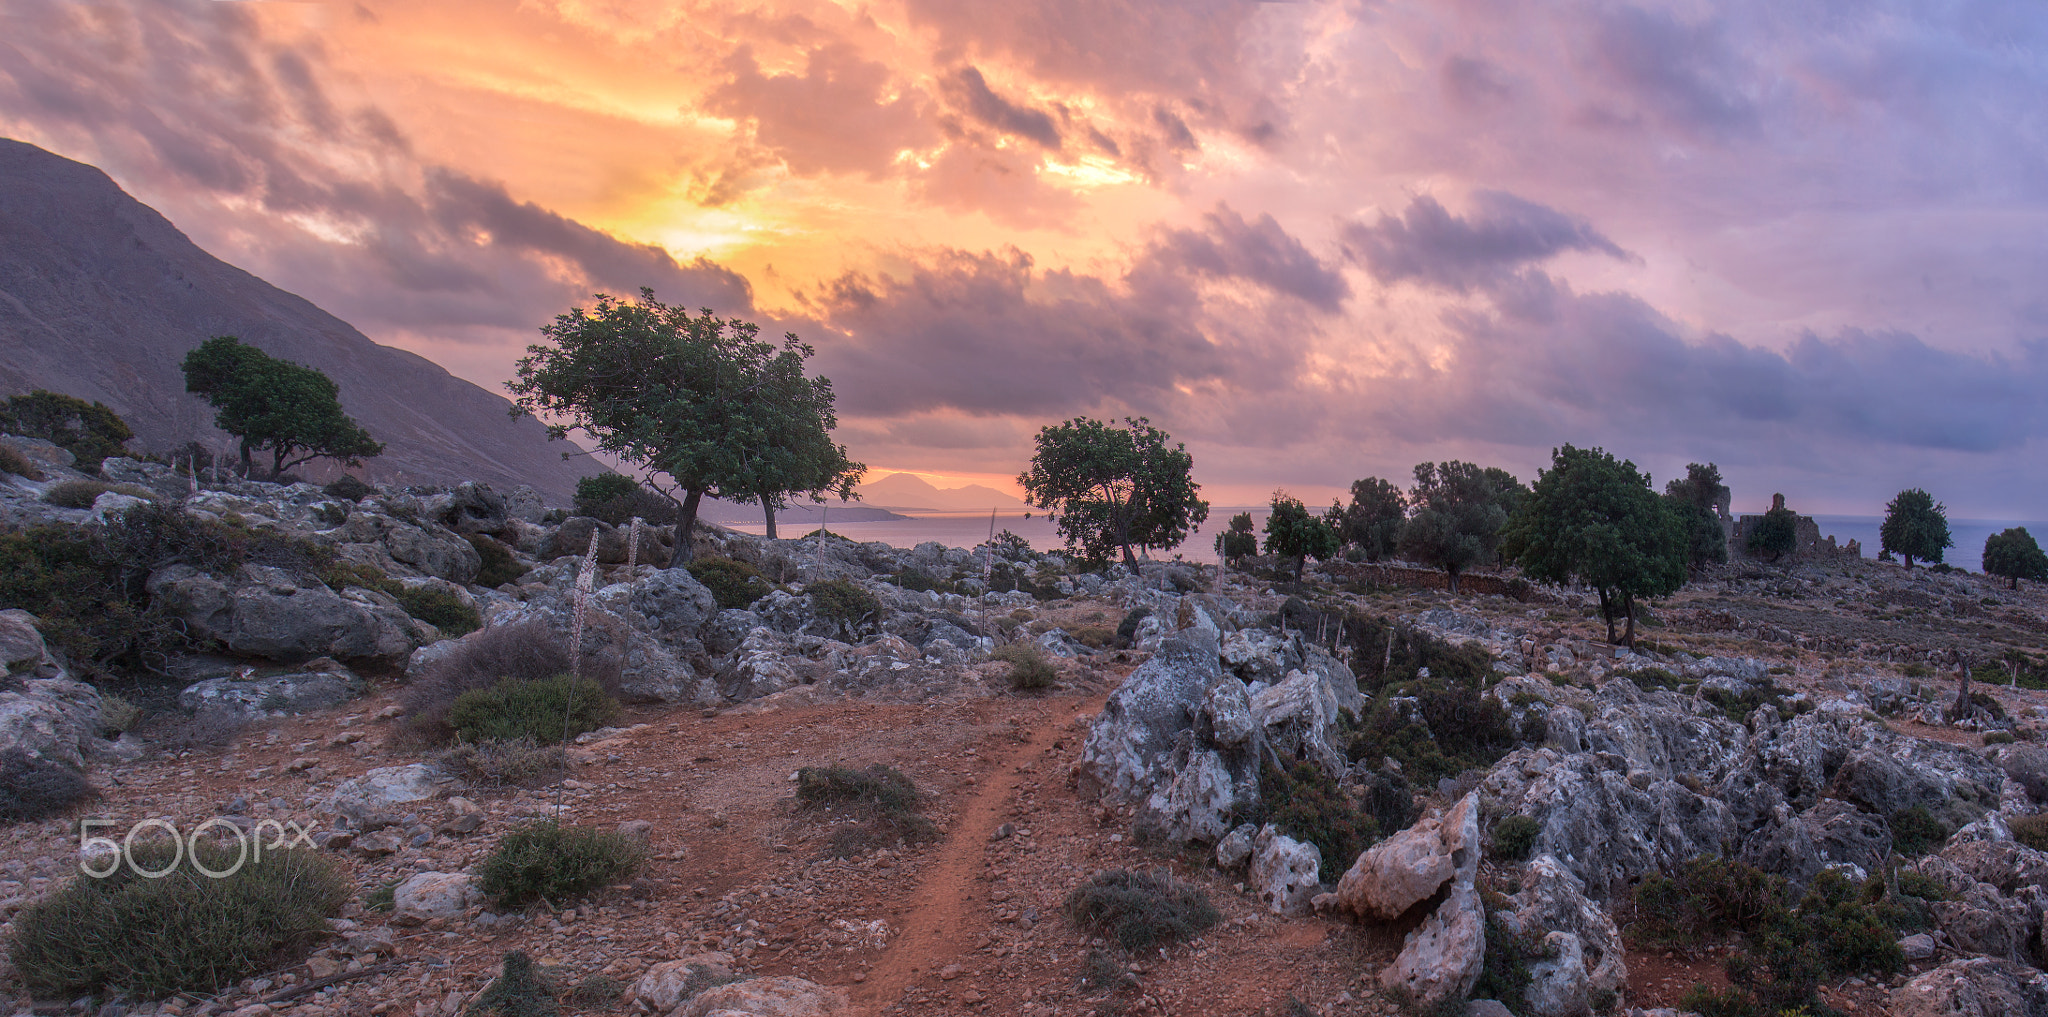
<point x="101" y="297"/>
<point x="910" y="491"/>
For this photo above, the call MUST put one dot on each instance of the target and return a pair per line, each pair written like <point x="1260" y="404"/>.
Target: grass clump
<point x="1915" y="831"/>
<point x="1999" y="738"/>
<point x="520" y="990"/>
<point x="80" y="494"/>
<point x="547" y="861"/>
<point x="880" y="804"/>
<point x="515" y="763"/>
<point x="1305" y="803"/>
<point x="1513" y="836"/>
<point x="349" y="488"/>
<point x="529" y="651"/>
<point x="441" y="608"/>
<point x="1140" y="910"/>
<point x="543" y="711"/>
<point x="2030" y="830"/>
<point x="13" y="462"/>
<point x="500" y="566"/>
<point x="382" y="898"/>
<point x="843" y="601"/>
<point x="1030" y="666"/>
<point x="185" y="931"/>
<point x="32" y="787"/>
<point x="733" y="583"/>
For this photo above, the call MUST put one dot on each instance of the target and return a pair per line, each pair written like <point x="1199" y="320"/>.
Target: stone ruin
<point x="1807" y="539"/>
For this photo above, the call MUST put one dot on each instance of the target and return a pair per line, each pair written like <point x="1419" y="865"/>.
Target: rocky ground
<point x="1139" y="757"/>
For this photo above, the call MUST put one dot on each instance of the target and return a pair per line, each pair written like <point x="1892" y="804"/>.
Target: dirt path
<point x="936" y="930"/>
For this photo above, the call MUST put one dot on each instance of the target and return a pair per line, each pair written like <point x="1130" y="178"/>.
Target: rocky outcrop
<point x="251" y="698"/>
<point x="49" y="718"/>
<point x="1284" y="872"/>
<point x="267" y="612"/>
<point x="1413" y="865"/>
<point x="1975" y="987"/>
<point x="1443" y="958"/>
<point x="669" y="984"/>
<point x="1584" y="956"/>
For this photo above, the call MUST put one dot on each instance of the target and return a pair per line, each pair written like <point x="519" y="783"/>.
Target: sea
<point x="968" y="529"/>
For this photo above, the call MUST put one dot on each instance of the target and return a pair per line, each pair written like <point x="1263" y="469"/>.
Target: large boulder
<point x="1131" y="744"/>
<point x="1831" y="834"/>
<point x="424" y="546"/>
<point x="52" y="718"/>
<point x="277" y="696"/>
<point x="430" y="895"/>
<point x="1411" y="866"/>
<point x="384" y="787"/>
<point x="266" y="612"/>
<point x="780" y="996"/>
<point x="670" y="604"/>
<point x="1585" y="956"/>
<point x="1284" y="872"/>
<point x="670" y="984"/>
<point x="1444" y="956"/>
<point x="1594" y="817"/>
<point x="21" y="644"/>
<point x="1975" y="987"/>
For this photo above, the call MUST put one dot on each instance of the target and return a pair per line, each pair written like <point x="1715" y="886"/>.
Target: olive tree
<point x="1238" y="540"/>
<point x="1596" y="521"/>
<point x="1700" y="500"/>
<point x="289" y="409"/>
<point x="1915" y="526"/>
<point x="1776" y="534"/>
<point x="1111" y="487"/>
<point x="2015" y="555"/>
<point x="1293" y="532"/>
<point x="1372" y="522"/>
<point x="1459" y="509"/>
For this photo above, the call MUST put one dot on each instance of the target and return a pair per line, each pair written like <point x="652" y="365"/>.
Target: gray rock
<point x="1284" y="872"/>
<point x="1586" y="958"/>
<point x="1411" y="866"/>
<point x="1443" y="957"/>
<point x="1131" y="744"/>
<point x="669" y="984"/>
<point x="728" y="629"/>
<point x="1236" y="847"/>
<point x="113" y="503"/>
<point x="49" y="718"/>
<point x="430" y="895"/>
<point x="265" y="612"/>
<point x="1917" y="947"/>
<point x="673" y="604"/>
<point x="276" y="696"/>
<point x="1600" y="824"/>
<point x="1976" y="987"/>
<point x="1832" y="833"/>
<point x="780" y="996"/>
<point x="381" y="788"/>
<point x="21" y="643"/>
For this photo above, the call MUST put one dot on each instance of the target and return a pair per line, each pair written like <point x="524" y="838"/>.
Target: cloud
<point x="1504" y="233"/>
<point x="970" y="90"/>
<point x="1687" y="75"/>
<point x="1258" y="251"/>
<point x="836" y="116"/>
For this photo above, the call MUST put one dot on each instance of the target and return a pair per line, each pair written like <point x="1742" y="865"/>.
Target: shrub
<point x="528" y="651"/>
<point x="1140" y="910"/>
<point x="1513" y="836"/>
<point x="2030" y="830"/>
<point x="1386" y="652"/>
<point x="1999" y="738"/>
<point x="80" y="494"/>
<point x="518" y="762"/>
<point x="545" y="711"/>
<point x="186" y="931"/>
<point x="518" y="991"/>
<point x="614" y="499"/>
<point x="1460" y="729"/>
<point x="1127" y="630"/>
<point x="1505" y="973"/>
<point x="35" y="788"/>
<point x="546" y="861"/>
<point x="348" y="488"/>
<point x="882" y="805"/>
<point x="501" y="566"/>
<point x="843" y="602"/>
<point x="734" y="584"/>
<point x="441" y="608"/>
<point x="1915" y="831"/>
<point x="89" y="431"/>
<point x="912" y="578"/>
<point x="1030" y="666"/>
<point x="1095" y="637"/>
<point x="13" y="462"/>
<point x="1305" y="803"/>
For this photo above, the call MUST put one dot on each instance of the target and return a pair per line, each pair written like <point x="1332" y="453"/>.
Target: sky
<point x="1314" y="241"/>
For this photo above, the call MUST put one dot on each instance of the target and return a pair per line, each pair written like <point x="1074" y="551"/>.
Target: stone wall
<point x="1807" y="539"/>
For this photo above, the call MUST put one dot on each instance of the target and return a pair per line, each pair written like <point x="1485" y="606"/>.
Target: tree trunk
<point x="1963" y="706"/>
<point x="768" y="509"/>
<point x="1628" y="605"/>
<point x="1607" y="614"/>
<point x="686" y="529"/>
<point x="1908" y="558"/>
<point x="1453" y="573"/>
<point x="1300" y="565"/>
<point x="248" y="465"/>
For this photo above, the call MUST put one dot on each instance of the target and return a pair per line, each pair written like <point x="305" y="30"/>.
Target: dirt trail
<point x="936" y="930"/>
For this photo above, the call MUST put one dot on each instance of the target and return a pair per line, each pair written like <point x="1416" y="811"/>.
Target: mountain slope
<point x="101" y="297"/>
<point x="910" y="491"/>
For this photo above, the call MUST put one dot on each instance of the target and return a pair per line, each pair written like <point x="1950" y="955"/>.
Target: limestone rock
<point x="1285" y="872"/>
<point x="1236" y="847"/>
<point x="1411" y="866"/>
<point x="383" y="787"/>
<point x="767" y="997"/>
<point x="1131" y="743"/>
<point x="277" y="696"/>
<point x="1586" y="952"/>
<point x="430" y="895"/>
<point x="1443" y="958"/>
<point x="49" y="718"/>
<point x="266" y="612"/>
<point x="1977" y="987"/>
<point x="21" y="643"/>
<point x="669" y="984"/>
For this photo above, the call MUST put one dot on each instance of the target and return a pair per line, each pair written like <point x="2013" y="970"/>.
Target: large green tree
<point x="1372" y="522"/>
<point x="1293" y="532"/>
<point x="289" y="409"/>
<point x="2014" y="555"/>
<point x="1700" y="499"/>
<point x="1915" y="526"/>
<point x="1238" y="540"/>
<point x="1459" y="509"/>
<point x="89" y="431"/>
<point x="1595" y="521"/>
<point x="1776" y="534"/>
<point x="791" y="447"/>
<point x="700" y="400"/>
<point x="1111" y="487"/>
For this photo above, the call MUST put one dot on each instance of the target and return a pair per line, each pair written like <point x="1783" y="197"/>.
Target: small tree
<point x="292" y="410"/>
<point x="1292" y="532"/>
<point x="1238" y="540"/>
<point x="1597" y="521"/>
<point x="1915" y="527"/>
<point x="1459" y="510"/>
<point x="2014" y="555"/>
<point x="1373" y="520"/>
<point x="792" y="450"/>
<point x="1700" y="501"/>
<point x="1776" y="534"/>
<point x="1113" y="488"/>
<point x="89" y="431"/>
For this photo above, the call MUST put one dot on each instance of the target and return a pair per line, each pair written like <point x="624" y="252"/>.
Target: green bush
<point x="844" y="602"/>
<point x="13" y="462"/>
<point x="519" y="991"/>
<point x="1513" y="836"/>
<point x="1999" y="738"/>
<point x="1915" y="831"/>
<point x="80" y="494"/>
<point x="441" y="608"/>
<point x="1127" y="630"/>
<point x="545" y="712"/>
<point x="1030" y="666"/>
<point x="1505" y="972"/>
<point x="614" y="499"/>
<point x="1305" y="803"/>
<point x="734" y="584"/>
<point x="546" y="861"/>
<point x="348" y="488"/>
<point x="2030" y="830"/>
<point x="35" y="788"/>
<point x="528" y="651"/>
<point x="517" y="762"/>
<point x="880" y="804"/>
<point x="1460" y="729"/>
<point x="89" y="431"/>
<point x="1140" y="910"/>
<point x="1386" y="652"/>
<point x="183" y="932"/>
<point x="916" y="579"/>
<point x="501" y="566"/>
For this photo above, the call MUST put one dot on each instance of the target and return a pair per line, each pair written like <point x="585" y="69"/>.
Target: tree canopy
<point x="1373" y="520"/>
<point x="1459" y="509"/>
<point x="1776" y="534"/>
<point x="1594" y="520"/>
<point x="290" y="409"/>
<point x="1700" y="500"/>
<point x="2014" y="555"/>
<point x="89" y="431"/>
<point x="1111" y="487"/>
<point x="1915" y="527"/>
<point x="701" y="400"/>
<point x="1293" y="532"/>
<point x="1238" y="540"/>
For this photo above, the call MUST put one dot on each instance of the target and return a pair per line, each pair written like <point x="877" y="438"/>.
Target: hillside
<point x="911" y="492"/>
<point x="101" y="297"/>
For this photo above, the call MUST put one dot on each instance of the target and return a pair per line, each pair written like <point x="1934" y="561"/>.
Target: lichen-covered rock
<point x="381" y="788"/>
<point x="430" y="895"/>
<point x="671" y="983"/>
<point x="275" y="696"/>
<point x="49" y="718"/>
<point x="1443" y="958"/>
<point x="780" y="996"/>
<point x="1586" y="956"/>
<point x="1974" y="987"/>
<point x="1833" y="833"/>
<point x="21" y="643"/>
<point x="1236" y="847"/>
<point x="1131" y="744"/>
<point x="266" y="612"/>
<point x="1411" y="866"/>
<point x="1594" y="818"/>
<point x="1284" y="872"/>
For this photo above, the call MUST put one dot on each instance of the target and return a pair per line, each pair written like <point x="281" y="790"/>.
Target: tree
<point x="2014" y="555"/>
<point x="1459" y="510"/>
<point x="1238" y="540"/>
<point x="292" y="410"/>
<point x="792" y="444"/>
<point x="1915" y="527"/>
<point x="1701" y="500"/>
<point x="700" y="400"/>
<point x="1373" y="520"/>
<point x="89" y="431"/>
<point x="1596" y="521"/>
<point x="1111" y="487"/>
<point x="1292" y="532"/>
<point x="1776" y="534"/>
